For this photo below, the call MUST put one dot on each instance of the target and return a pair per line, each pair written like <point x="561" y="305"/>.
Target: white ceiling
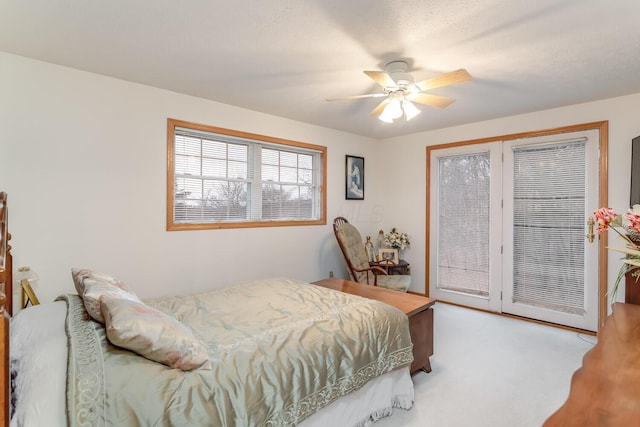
<point x="286" y="57"/>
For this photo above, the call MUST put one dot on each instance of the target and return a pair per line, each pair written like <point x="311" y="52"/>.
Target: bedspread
<point x="279" y="350"/>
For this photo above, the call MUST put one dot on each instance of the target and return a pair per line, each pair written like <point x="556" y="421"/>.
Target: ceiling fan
<point x="400" y="91"/>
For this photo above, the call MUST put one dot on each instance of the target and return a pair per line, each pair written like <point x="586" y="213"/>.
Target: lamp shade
<point x="398" y="107"/>
<point x="26" y="273"/>
<point x="385" y="117"/>
<point x="410" y="110"/>
<point x="392" y="111"/>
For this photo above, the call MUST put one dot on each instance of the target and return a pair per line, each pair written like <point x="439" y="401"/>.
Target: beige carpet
<point x="492" y="371"/>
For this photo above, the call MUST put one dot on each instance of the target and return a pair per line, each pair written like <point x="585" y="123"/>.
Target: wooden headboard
<point x="6" y="308"/>
<point x="6" y="266"/>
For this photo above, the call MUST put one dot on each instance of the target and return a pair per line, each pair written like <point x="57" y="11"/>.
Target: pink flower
<point x="634" y="221"/>
<point x="604" y="217"/>
<point x="628" y="228"/>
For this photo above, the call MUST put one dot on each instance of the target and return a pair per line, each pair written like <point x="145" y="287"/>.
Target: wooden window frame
<point x="172" y="124"/>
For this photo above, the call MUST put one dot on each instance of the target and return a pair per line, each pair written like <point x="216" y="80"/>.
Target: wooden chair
<point x="360" y="270"/>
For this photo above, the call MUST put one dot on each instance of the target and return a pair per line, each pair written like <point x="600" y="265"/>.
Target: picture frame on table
<point x="388" y="255"/>
<point x="354" y="178"/>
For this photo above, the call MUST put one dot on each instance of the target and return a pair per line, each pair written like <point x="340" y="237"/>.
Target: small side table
<point x="402" y="267"/>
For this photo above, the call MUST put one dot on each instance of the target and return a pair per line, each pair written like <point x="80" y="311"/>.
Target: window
<point x="220" y="178"/>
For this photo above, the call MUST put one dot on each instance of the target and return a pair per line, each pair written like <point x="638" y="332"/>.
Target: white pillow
<point x="96" y="292"/>
<point x="153" y="334"/>
<point x="80" y="274"/>
<point x="93" y="287"/>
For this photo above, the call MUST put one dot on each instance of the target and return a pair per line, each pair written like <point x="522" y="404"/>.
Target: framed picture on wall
<point x="354" y="186"/>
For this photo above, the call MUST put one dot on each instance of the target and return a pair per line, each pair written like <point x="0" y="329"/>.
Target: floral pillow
<point x="153" y="334"/>
<point x="97" y="290"/>
<point x="81" y="274"/>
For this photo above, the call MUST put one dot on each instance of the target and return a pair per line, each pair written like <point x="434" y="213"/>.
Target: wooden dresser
<point x="605" y="391"/>
<point x="417" y="308"/>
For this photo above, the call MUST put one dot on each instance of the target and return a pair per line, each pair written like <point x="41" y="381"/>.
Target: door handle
<point x="590" y="235"/>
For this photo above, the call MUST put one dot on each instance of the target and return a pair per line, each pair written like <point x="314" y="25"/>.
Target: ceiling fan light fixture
<point x="402" y="92"/>
<point x="410" y="110"/>
<point x="397" y="108"/>
<point x="385" y="118"/>
<point x="392" y="111"/>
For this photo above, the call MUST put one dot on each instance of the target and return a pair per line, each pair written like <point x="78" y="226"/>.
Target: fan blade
<point x="369" y="95"/>
<point x="447" y="79"/>
<point x="431" y="100"/>
<point x="381" y="78"/>
<point x="378" y="110"/>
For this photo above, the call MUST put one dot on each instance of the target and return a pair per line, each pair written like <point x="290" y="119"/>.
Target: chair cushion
<point x="352" y="242"/>
<point x="397" y="282"/>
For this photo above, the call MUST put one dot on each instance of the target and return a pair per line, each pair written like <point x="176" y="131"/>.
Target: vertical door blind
<point x="548" y="226"/>
<point x="463" y="223"/>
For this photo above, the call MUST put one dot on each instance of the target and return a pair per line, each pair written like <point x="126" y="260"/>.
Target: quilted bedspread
<point x="279" y="350"/>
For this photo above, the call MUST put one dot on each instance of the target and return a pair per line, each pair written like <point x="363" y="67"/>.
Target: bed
<point x="272" y="352"/>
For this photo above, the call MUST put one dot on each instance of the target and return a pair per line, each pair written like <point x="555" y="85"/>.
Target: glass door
<point x="550" y="270"/>
<point x="507" y="224"/>
<point x="466" y="218"/>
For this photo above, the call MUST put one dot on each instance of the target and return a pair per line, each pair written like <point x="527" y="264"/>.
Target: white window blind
<point x="548" y="221"/>
<point x="463" y="229"/>
<point x="287" y="184"/>
<point x="220" y="178"/>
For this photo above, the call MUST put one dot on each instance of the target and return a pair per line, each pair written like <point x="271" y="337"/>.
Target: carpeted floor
<point x="492" y="371"/>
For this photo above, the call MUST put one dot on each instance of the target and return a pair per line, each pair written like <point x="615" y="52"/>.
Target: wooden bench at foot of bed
<point x="417" y="308"/>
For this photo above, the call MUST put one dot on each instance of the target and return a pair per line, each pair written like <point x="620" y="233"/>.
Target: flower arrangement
<point x="628" y="228"/>
<point x="396" y="240"/>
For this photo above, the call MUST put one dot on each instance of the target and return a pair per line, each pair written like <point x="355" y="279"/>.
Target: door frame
<point x="603" y="128"/>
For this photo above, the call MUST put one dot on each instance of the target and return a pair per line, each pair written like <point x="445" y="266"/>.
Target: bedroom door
<point x="466" y="225"/>
<point x="507" y="221"/>
<point x="550" y="271"/>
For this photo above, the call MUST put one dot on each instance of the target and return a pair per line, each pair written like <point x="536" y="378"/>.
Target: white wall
<point x="406" y="156"/>
<point x="83" y="160"/>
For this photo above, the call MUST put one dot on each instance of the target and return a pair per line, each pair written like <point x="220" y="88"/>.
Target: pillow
<point x="80" y="274"/>
<point x="96" y="290"/>
<point x="152" y="334"/>
<point x="92" y="286"/>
